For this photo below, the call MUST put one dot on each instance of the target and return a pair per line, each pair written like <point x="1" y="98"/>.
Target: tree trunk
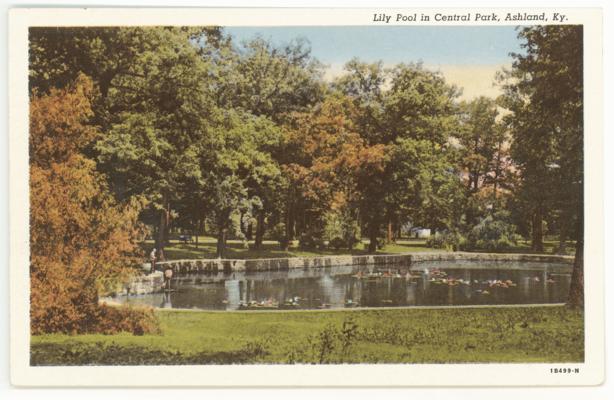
<point x="290" y="223"/>
<point x="161" y="229"/>
<point x="199" y="229"/>
<point x="221" y="243"/>
<point x="259" y="230"/>
<point x="537" y="240"/>
<point x="373" y="231"/>
<point x="496" y="178"/>
<point x="562" y="241"/>
<point x="242" y="226"/>
<point x="163" y="226"/>
<point x="576" y="291"/>
<point x="389" y="234"/>
<point x="250" y="231"/>
<point x="494" y="192"/>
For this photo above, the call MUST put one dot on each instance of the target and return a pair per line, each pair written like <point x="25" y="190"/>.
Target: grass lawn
<point x="501" y="335"/>
<point x="550" y="247"/>
<point x="270" y="249"/>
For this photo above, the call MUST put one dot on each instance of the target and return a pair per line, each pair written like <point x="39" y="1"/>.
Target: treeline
<point x="247" y="139"/>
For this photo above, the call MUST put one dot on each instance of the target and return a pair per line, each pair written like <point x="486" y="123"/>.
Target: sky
<point x="467" y="56"/>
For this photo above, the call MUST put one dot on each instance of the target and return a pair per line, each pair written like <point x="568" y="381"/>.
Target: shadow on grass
<point x="237" y="250"/>
<point x="234" y="250"/>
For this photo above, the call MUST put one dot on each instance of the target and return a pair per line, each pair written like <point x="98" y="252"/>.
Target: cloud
<point x="475" y="79"/>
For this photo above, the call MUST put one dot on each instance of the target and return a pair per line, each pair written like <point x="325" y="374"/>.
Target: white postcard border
<point x="22" y="374"/>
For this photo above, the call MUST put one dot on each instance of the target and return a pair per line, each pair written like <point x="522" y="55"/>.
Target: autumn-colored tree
<point x="81" y="241"/>
<point x="327" y="159"/>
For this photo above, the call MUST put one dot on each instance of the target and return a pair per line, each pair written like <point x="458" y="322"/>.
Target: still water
<point x="427" y="283"/>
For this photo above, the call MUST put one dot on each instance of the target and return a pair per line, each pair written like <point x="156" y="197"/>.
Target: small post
<point x="168" y="275"/>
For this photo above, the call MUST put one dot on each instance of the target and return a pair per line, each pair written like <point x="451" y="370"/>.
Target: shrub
<point x="138" y="321"/>
<point x="343" y="225"/>
<point x="493" y="233"/>
<point x="337" y="243"/>
<point x="279" y="233"/>
<point x="447" y="240"/>
<point x="311" y="240"/>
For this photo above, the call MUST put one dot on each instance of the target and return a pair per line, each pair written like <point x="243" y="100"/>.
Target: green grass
<point x="177" y="250"/>
<point x="550" y="247"/>
<point x="455" y="335"/>
<point x="270" y="249"/>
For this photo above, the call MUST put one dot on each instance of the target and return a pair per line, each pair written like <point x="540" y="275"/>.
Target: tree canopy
<point x="176" y="129"/>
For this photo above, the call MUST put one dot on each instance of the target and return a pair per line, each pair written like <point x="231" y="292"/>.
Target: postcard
<point x="306" y="197"/>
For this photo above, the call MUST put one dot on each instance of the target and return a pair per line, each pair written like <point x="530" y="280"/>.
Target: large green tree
<point x="236" y="160"/>
<point x="152" y="99"/>
<point x="544" y="92"/>
<point x="273" y="81"/>
<point x="407" y="109"/>
<point x="163" y="105"/>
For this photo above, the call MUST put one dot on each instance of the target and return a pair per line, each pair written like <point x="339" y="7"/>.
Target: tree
<point x="544" y="92"/>
<point x="427" y="184"/>
<point x="483" y="157"/>
<point x="273" y="81"/>
<point x="163" y="105"/>
<point x="415" y="111"/>
<point x="325" y="159"/>
<point x="235" y="161"/>
<point x="421" y="117"/>
<point x="82" y="242"/>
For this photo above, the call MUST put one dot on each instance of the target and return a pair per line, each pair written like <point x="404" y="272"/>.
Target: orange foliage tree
<point x="329" y="161"/>
<point x="82" y="242"/>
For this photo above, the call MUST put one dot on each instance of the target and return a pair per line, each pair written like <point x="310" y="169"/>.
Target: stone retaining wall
<point x="280" y="264"/>
<point x="142" y="284"/>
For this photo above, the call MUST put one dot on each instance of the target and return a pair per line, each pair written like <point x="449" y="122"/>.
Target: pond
<point x="422" y="284"/>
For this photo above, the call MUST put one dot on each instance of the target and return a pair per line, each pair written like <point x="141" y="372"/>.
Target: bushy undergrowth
<point x="137" y="321"/>
<point x="447" y="240"/>
<point x="279" y="233"/>
<point x="337" y="243"/>
<point x="493" y="233"/>
<point x="106" y="320"/>
<point x="311" y="240"/>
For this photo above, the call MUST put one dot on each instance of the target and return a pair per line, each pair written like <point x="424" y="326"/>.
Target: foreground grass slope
<point x="524" y="334"/>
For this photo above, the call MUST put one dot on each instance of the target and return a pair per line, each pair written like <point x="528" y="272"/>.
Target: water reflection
<point x="355" y="286"/>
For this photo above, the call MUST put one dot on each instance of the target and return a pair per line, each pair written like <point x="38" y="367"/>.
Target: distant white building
<point x="415" y="231"/>
<point x="420" y="233"/>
